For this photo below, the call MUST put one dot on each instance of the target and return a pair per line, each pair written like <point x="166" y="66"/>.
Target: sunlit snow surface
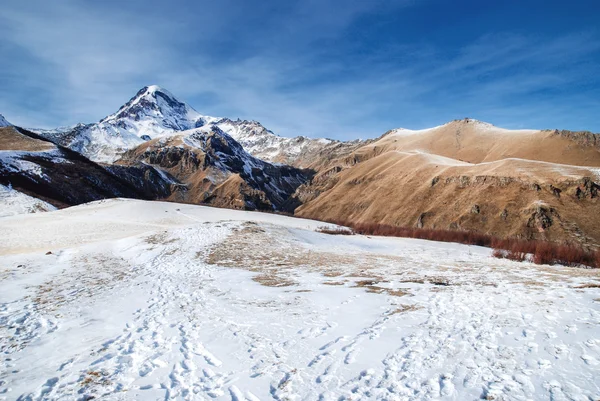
<point x="154" y="301"/>
<point x="13" y="202"/>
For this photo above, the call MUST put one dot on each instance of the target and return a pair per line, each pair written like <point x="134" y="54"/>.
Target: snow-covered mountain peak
<point x="157" y="107"/>
<point x="3" y="122"/>
<point x="154" y="112"/>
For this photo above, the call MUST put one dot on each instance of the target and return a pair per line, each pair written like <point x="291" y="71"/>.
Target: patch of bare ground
<point x="272" y="256"/>
<point x="160" y="239"/>
<point x="589" y="285"/>
<point x="96" y="274"/>
<point x="11" y="139"/>
<point x="94" y="378"/>
<point x="273" y="280"/>
<point x="372" y="287"/>
<point x="276" y="257"/>
<point x="332" y="273"/>
<point x="404" y="309"/>
<point x="334" y="282"/>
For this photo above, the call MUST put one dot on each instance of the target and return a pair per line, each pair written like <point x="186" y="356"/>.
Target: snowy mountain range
<point x="156" y="113"/>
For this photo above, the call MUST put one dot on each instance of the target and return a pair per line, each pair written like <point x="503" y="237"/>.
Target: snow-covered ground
<point x="13" y="202"/>
<point x="154" y="301"/>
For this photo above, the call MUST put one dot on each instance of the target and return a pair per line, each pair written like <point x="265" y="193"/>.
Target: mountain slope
<point x="14" y="202"/>
<point x="300" y="151"/>
<point x="3" y="122"/>
<point x="62" y="177"/>
<point x="466" y="175"/>
<point x="474" y="141"/>
<point x="218" y="171"/>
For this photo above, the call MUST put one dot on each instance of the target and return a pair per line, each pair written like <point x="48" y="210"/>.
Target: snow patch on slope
<point x="14" y="161"/>
<point x="481" y="127"/>
<point x="3" y="122"/>
<point x="13" y="202"/>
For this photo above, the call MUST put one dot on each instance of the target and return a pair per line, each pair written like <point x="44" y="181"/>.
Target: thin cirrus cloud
<point x="301" y="68"/>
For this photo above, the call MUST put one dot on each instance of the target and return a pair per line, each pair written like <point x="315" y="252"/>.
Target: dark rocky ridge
<point x="217" y="170"/>
<point x="68" y="178"/>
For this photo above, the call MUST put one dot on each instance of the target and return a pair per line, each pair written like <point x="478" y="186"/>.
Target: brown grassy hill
<point x="528" y="184"/>
<point x="12" y="139"/>
<point x="476" y="142"/>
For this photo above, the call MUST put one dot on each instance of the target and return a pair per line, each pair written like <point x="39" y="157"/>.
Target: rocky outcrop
<point x="541" y="217"/>
<point x="583" y="138"/>
<point x="215" y="169"/>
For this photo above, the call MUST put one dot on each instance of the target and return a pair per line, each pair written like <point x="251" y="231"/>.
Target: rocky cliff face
<point x="583" y="138"/>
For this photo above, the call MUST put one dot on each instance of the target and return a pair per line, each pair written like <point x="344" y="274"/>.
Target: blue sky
<point x="338" y="69"/>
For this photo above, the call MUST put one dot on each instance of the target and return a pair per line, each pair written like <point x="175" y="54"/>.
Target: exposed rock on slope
<point x="218" y="171"/>
<point x="465" y="175"/>
<point x="62" y="177"/>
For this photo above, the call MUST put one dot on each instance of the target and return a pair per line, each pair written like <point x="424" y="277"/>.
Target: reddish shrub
<point x="542" y="252"/>
<point x="499" y="253"/>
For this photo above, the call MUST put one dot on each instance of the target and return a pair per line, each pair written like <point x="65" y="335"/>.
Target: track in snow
<point x="198" y="313"/>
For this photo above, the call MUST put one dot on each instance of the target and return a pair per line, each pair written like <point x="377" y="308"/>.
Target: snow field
<point x="201" y="304"/>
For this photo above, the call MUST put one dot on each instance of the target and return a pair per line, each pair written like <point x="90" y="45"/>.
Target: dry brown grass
<point x="546" y="253"/>
<point x="386" y="230"/>
<point x="404" y="309"/>
<point x="273" y="280"/>
<point x="589" y="285"/>
<point x="11" y="139"/>
<point x="334" y="282"/>
<point x="372" y="287"/>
